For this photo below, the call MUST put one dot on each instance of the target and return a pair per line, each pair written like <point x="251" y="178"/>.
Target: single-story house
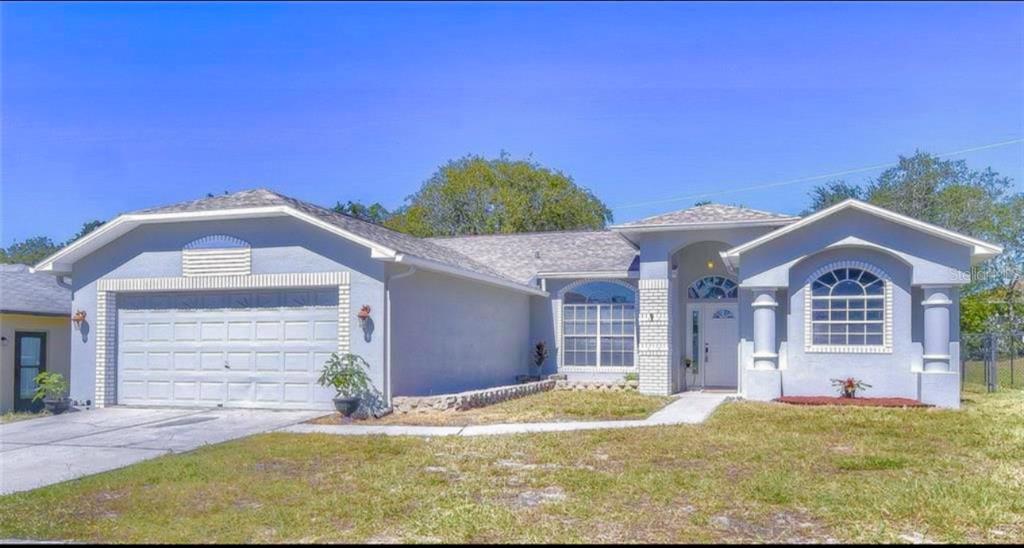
<point x="35" y="333"/>
<point x="237" y="300"/>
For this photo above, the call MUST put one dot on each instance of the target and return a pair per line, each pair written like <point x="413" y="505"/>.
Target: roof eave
<point x="435" y="266"/>
<point x="62" y="261"/>
<point x="980" y="250"/>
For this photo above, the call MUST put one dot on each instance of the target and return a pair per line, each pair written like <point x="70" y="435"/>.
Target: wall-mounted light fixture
<point x="364" y="314"/>
<point x="78" y="318"/>
<point x="711" y="264"/>
<point x="3" y="341"/>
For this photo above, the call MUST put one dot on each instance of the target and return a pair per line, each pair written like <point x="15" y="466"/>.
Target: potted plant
<point x="849" y="386"/>
<point x="52" y="388"/>
<point x="346" y="374"/>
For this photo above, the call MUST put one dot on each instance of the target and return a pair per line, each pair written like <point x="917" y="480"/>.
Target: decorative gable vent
<point x="216" y="255"/>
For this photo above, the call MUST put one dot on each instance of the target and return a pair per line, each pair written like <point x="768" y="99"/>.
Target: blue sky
<point x="114" y="107"/>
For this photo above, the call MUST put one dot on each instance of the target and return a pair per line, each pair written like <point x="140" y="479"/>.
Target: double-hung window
<point x="599" y="325"/>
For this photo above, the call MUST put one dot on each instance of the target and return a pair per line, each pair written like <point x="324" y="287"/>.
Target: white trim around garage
<point x="106" y="310"/>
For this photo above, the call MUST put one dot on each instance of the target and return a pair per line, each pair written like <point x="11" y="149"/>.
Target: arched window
<point x="712" y="287"/>
<point x="599" y="325"/>
<point x="848" y="308"/>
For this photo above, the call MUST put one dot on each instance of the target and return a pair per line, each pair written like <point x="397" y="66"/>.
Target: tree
<point x="374" y="213"/>
<point x="475" y="195"/>
<point x="86" y="228"/>
<point x="29" y="252"/>
<point x="831" y="193"/>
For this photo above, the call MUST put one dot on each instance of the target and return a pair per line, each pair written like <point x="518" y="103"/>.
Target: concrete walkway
<point x="689" y="408"/>
<point x="47" y="450"/>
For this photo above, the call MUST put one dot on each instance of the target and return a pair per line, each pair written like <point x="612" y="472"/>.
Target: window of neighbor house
<point x="599" y="325"/>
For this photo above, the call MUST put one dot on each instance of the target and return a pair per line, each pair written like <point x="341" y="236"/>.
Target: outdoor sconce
<point x="78" y="318"/>
<point x="364" y="314"/>
<point x="711" y="264"/>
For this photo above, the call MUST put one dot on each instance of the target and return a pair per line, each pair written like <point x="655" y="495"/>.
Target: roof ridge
<point x="515" y="234"/>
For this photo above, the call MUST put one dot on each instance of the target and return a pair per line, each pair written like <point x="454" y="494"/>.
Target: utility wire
<point x="811" y="178"/>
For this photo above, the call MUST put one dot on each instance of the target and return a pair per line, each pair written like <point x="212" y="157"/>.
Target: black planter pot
<point x="346" y="406"/>
<point x="56" y="406"/>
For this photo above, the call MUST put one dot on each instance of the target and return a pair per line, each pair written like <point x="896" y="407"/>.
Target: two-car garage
<point x="252" y="348"/>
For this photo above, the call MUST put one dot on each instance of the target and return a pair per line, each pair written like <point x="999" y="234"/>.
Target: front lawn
<point x="753" y="472"/>
<point x="553" y="405"/>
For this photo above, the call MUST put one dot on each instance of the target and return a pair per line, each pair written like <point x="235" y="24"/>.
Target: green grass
<point x="15" y="416"/>
<point x="553" y="405"/>
<point x="753" y="472"/>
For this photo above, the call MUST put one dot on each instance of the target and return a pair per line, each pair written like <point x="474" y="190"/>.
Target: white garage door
<point x="235" y="349"/>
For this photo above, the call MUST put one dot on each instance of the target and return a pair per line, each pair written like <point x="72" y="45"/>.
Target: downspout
<point x="387" y="329"/>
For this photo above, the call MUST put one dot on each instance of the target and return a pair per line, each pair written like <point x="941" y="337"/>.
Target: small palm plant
<point x="347" y="375"/>
<point x="849" y="386"/>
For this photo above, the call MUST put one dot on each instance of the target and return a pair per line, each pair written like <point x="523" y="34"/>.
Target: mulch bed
<point x="863" y="402"/>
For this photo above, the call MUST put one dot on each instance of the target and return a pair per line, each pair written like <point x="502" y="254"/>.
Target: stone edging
<point x="468" y="400"/>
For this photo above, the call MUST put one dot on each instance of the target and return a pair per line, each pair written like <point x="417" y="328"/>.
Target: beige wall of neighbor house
<point x="58" y="348"/>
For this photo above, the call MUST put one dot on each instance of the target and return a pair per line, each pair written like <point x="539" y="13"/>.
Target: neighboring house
<point x="237" y="300"/>
<point x="35" y="328"/>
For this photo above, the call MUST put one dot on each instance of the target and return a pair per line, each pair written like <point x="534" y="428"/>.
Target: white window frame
<point x="887" y="303"/>
<point x="559" y="308"/>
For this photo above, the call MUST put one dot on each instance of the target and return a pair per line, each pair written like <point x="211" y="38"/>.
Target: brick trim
<point x="106" y="311"/>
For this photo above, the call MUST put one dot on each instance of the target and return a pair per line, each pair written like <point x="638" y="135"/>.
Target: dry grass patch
<point x="550" y="406"/>
<point x="15" y="416"/>
<point x="753" y="472"/>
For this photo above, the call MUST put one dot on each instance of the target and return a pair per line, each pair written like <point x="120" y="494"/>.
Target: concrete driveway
<point x="39" y="452"/>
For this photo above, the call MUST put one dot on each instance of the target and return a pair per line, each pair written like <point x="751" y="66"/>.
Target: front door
<point x="712" y="340"/>
<point x="29" y="361"/>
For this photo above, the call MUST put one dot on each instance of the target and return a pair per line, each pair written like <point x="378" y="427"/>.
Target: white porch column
<point x="936" y="327"/>
<point x="762" y="380"/>
<point x="940" y="382"/>
<point x="655" y="348"/>
<point x="765" y="356"/>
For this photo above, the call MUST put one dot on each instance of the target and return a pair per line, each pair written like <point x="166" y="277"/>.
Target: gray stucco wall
<point x="890" y="374"/>
<point x="279" y="245"/>
<point x="451" y="335"/>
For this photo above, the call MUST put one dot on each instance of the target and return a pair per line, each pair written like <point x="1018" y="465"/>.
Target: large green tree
<point x="29" y="251"/>
<point x="476" y="195"/>
<point x="35" y="249"/>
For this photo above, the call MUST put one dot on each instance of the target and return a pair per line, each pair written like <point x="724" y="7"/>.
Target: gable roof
<point x="980" y="250"/>
<point x="525" y="256"/>
<point x="385" y="244"/>
<point x="708" y="216"/>
<point x="24" y="291"/>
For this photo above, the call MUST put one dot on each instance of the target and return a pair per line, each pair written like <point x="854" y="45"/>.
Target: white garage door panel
<point x="234" y="355"/>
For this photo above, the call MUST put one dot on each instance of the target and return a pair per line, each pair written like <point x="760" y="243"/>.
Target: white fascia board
<point x="427" y="264"/>
<point x="61" y="261"/>
<point x="979" y="250"/>
<point x="703" y="226"/>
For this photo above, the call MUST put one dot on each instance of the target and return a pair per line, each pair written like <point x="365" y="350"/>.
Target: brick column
<point x="106" y="349"/>
<point x="655" y="348"/>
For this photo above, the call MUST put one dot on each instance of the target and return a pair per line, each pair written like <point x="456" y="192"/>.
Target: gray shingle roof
<point x="419" y="247"/>
<point x="521" y="256"/>
<point x="709" y="214"/>
<point x="23" y="291"/>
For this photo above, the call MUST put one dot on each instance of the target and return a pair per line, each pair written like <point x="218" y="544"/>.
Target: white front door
<point x="712" y="340"/>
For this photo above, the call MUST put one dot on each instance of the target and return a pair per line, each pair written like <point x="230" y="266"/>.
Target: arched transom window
<point x="599" y="325"/>
<point x="712" y="287"/>
<point x="848" y="309"/>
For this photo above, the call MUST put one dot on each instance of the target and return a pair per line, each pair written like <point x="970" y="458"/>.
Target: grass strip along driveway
<point x="753" y="472"/>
